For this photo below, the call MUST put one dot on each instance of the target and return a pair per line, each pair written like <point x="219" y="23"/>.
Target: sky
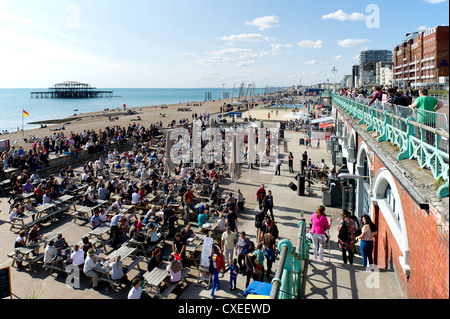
<point x="199" y="43"/>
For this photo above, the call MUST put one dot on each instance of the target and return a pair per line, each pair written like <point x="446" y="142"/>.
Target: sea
<point x="13" y="101"/>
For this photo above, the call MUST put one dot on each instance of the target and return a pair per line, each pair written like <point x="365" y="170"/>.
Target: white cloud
<point x="342" y="16"/>
<point x="246" y="63"/>
<point x="246" y="37"/>
<point x="338" y="58"/>
<point x="435" y="1"/>
<point x="314" y="62"/>
<point x="230" y="51"/>
<point x="265" y="22"/>
<point x="310" y="44"/>
<point x="349" y="43"/>
<point x="422" y="28"/>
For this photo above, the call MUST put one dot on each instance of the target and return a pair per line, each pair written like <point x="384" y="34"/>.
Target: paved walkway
<point x="330" y="279"/>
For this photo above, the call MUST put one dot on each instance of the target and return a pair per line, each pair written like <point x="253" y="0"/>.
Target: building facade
<point x="412" y="227"/>
<point x="367" y="65"/>
<point x="422" y="58"/>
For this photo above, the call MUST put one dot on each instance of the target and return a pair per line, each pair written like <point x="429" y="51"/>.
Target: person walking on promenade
<point x="216" y="265"/>
<point x="346" y="237"/>
<point x="268" y="204"/>
<point x="269" y="250"/>
<point x="368" y="232"/>
<point x="242" y="248"/>
<point x="319" y="224"/>
<point x="278" y="166"/>
<point x="291" y="162"/>
<point x="261" y="194"/>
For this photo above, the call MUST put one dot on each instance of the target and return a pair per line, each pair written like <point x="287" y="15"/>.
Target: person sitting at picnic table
<point x="179" y="245"/>
<point x="135" y="197"/>
<point x="46" y="198"/>
<point x="214" y="176"/>
<point x="33" y="235"/>
<point x="61" y="244"/>
<point x="95" y="220"/>
<point x="153" y="236"/>
<point x="202" y="217"/>
<point x="50" y="254"/>
<point x="87" y="201"/>
<point x="16" y="212"/>
<point x="117" y="273"/>
<point x="155" y="260"/>
<point x="174" y="268"/>
<point x="28" y="187"/>
<point x="89" y="266"/>
<point x="187" y="232"/>
<point x="136" y="289"/>
<point x="221" y="223"/>
<point x="39" y="193"/>
<point x="78" y="255"/>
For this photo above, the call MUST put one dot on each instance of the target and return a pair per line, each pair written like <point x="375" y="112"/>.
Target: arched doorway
<point x="389" y="203"/>
<point x="363" y="189"/>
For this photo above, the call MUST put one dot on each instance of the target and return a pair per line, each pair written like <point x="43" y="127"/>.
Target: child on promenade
<point x="234" y="271"/>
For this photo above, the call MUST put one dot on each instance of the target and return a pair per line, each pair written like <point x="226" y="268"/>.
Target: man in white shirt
<point x="135" y="197"/>
<point x="136" y="290"/>
<point x="50" y="253"/>
<point x="77" y="256"/>
<point x="89" y="267"/>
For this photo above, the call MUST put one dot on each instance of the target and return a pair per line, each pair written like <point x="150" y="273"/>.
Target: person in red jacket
<point x="261" y="194"/>
<point x="217" y="264"/>
<point x="377" y="95"/>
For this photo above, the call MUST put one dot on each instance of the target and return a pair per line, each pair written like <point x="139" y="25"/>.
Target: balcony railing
<point x="418" y="134"/>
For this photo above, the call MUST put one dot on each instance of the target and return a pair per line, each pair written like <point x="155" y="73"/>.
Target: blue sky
<point x="199" y="43"/>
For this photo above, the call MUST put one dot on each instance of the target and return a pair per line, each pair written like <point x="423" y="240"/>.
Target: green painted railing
<point x="429" y="146"/>
<point x="287" y="282"/>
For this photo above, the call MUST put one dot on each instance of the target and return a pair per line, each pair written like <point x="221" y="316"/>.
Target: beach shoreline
<point x="98" y="120"/>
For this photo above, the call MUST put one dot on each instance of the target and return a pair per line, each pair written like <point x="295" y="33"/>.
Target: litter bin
<point x="301" y="185"/>
<point x="302" y="141"/>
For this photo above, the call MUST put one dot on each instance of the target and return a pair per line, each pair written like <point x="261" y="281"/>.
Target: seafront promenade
<point x="330" y="279"/>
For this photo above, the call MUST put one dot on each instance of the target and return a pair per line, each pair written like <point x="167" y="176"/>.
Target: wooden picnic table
<point x="124" y="251"/>
<point x="25" y="254"/>
<point x="83" y="212"/>
<point x="98" y="233"/>
<point x="154" y="279"/>
<point x="192" y="244"/>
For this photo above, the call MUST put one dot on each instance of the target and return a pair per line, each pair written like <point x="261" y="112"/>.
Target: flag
<point x="25" y="113"/>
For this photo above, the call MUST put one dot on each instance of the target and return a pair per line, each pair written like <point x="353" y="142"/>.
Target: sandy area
<point x="99" y="120"/>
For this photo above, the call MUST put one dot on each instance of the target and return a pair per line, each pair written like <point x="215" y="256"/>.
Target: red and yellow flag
<point x="25" y="113"/>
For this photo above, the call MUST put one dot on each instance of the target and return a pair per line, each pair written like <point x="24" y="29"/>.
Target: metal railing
<point x="415" y="140"/>
<point x="287" y="282"/>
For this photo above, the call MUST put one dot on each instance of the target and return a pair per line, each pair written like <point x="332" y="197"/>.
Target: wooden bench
<point x="16" y="257"/>
<point x="50" y="215"/>
<point x="165" y="294"/>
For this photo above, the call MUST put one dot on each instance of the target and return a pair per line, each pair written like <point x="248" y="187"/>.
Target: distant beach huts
<point x="71" y="90"/>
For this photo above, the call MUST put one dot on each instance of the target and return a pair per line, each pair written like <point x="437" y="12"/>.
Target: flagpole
<point x="22" y="123"/>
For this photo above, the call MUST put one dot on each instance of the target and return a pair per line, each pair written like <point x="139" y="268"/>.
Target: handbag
<point x="343" y="232"/>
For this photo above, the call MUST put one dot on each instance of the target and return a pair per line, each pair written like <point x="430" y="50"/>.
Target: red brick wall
<point x="428" y="242"/>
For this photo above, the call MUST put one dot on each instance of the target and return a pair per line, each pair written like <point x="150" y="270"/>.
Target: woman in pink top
<point x="319" y="223"/>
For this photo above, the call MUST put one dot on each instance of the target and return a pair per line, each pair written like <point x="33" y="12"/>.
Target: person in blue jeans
<point x="216" y="265"/>
<point x="234" y="271"/>
<point x="368" y="232"/>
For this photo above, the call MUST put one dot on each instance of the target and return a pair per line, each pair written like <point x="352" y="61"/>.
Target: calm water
<point x="12" y="101"/>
